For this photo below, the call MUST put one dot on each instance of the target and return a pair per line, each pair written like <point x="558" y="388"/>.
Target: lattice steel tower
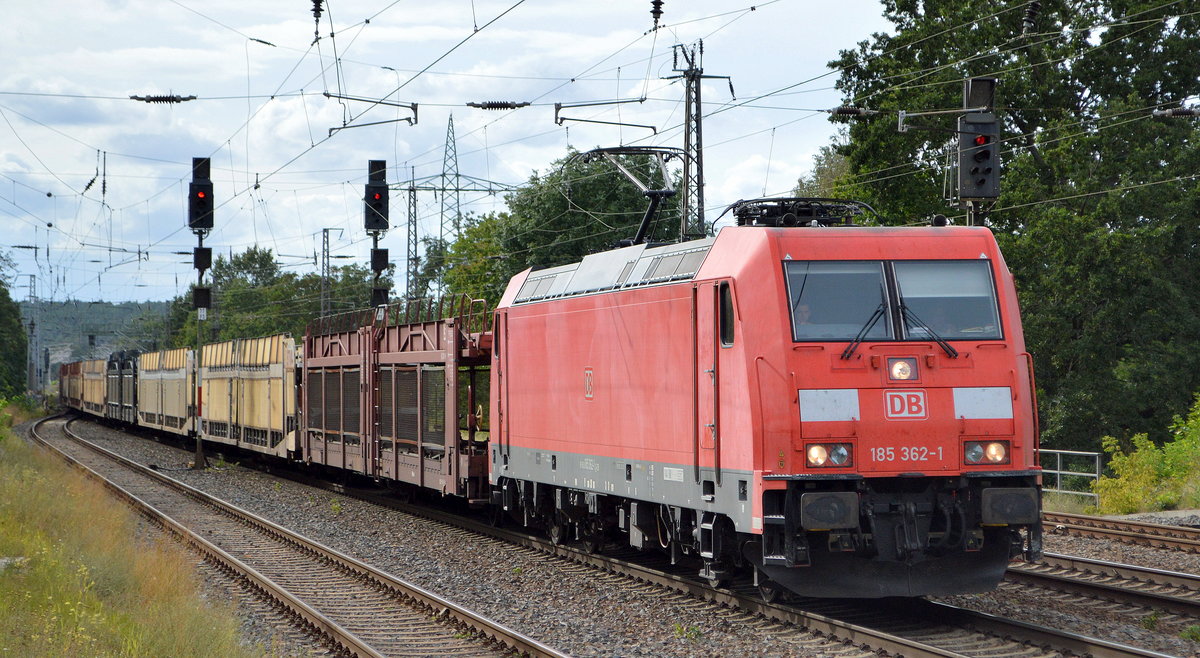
<point x="451" y="183"/>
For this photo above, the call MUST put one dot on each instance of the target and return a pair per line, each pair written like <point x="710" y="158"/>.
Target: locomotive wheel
<point x="593" y="536"/>
<point x="495" y="516"/>
<point x="557" y="529"/>
<point x="769" y="590"/>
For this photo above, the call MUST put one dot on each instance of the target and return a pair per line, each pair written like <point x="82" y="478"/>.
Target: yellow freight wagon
<point x="94" y="385"/>
<point x="165" y="394"/>
<point x="248" y="394"/>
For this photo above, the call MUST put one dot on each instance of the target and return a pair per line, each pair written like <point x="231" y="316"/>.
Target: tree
<point x="1096" y="214"/>
<point x="13" y="346"/>
<point x="580" y="207"/>
<point x="476" y="265"/>
<point x="253" y="297"/>
<point x="828" y="177"/>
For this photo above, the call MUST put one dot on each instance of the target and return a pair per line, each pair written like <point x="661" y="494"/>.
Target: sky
<point x="93" y="185"/>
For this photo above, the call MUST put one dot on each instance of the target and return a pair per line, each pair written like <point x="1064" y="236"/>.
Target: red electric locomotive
<point x="847" y="410"/>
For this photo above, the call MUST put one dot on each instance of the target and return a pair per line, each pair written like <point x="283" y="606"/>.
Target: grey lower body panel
<point x="729" y="493"/>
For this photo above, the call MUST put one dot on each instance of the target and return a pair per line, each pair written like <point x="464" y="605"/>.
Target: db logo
<point x="905" y="405"/>
<point x="589" y="385"/>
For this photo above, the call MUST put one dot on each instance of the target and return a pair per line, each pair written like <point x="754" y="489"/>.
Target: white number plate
<point x="906" y="454"/>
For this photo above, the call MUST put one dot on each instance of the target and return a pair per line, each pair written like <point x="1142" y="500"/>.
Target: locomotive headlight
<point x="817" y="455"/>
<point x="829" y="454"/>
<point x="839" y="455"/>
<point x="996" y="452"/>
<point x="973" y="453"/>
<point x="902" y="369"/>
<point x="986" y="452"/>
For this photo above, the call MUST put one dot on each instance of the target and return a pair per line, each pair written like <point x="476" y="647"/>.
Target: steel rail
<point x="1169" y="591"/>
<point x="1132" y="532"/>
<point x="328" y="628"/>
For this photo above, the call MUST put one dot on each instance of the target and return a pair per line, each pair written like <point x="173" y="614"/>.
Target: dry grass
<point x="86" y="586"/>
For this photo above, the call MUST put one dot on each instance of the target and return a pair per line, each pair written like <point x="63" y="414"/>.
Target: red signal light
<point x="378" y="196"/>
<point x="980" y="140"/>
<point x="200" y="195"/>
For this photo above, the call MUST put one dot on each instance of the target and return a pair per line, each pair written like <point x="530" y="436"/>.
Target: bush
<point x="1150" y="478"/>
<point x="19" y="409"/>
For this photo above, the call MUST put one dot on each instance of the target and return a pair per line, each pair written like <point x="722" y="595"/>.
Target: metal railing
<point x="1075" y="459"/>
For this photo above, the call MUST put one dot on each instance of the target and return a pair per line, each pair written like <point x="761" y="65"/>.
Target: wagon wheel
<point x="592" y="543"/>
<point x="403" y="494"/>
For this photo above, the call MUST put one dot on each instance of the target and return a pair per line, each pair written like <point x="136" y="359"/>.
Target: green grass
<point x="87" y="586"/>
<point x="1067" y="503"/>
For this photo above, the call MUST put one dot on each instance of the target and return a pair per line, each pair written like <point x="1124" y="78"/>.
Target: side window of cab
<point x="725" y="295"/>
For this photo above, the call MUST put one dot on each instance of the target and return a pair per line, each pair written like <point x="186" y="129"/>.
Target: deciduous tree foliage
<point x="1097" y="214"/>
<point x="13" y="366"/>
<point x="253" y="296"/>
<point x="13" y="342"/>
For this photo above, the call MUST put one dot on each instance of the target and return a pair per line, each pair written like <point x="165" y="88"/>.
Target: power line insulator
<point x="499" y="105"/>
<point x="163" y="98"/>
<point x="1030" y="20"/>
<point x="1177" y="112"/>
<point x="656" y="10"/>
<point x="847" y="111"/>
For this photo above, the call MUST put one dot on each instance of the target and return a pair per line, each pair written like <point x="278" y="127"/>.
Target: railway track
<point x="1150" y="589"/>
<point x="352" y="607"/>
<point x="872" y="626"/>
<point x="901" y="627"/>
<point x="1131" y="532"/>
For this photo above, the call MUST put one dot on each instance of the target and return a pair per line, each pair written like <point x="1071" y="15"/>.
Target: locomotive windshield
<point x="835" y="300"/>
<point x="954" y="299"/>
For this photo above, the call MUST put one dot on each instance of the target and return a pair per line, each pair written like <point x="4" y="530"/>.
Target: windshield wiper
<point x="911" y="319"/>
<point x="862" y="333"/>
